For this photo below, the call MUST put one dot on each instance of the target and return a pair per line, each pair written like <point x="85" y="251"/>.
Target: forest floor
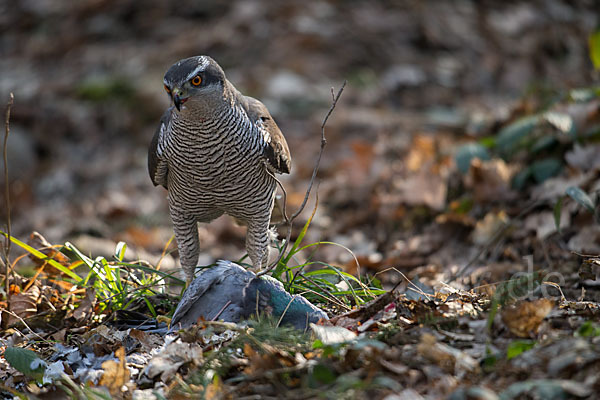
<point x="461" y="171"/>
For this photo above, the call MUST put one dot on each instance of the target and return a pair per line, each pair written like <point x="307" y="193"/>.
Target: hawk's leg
<point x="186" y="234"/>
<point x="257" y="241"/>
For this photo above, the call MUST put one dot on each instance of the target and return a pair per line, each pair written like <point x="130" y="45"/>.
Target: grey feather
<point x="231" y="293"/>
<point x="215" y="293"/>
<point x="157" y="165"/>
<point x="276" y="151"/>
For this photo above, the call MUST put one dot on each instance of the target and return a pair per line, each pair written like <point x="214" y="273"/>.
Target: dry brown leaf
<point x="488" y="227"/>
<point x="23" y="305"/>
<point x="115" y="374"/>
<point x="490" y="180"/>
<point x="423" y="188"/>
<point x="166" y="363"/>
<point x="213" y="390"/>
<point x="587" y="240"/>
<point x="448" y="358"/>
<point x="266" y="359"/>
<point x="544" y="225"/>
<point x="37" y="241"/>
<point x="423" y="150"/>
<point x="589" y="268"/>
<point x="584" y="157"/>
<point x="86" y="306"/>
<point x="523" y="319"/>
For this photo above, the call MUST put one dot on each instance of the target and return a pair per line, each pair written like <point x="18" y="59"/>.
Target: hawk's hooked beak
<point x="178" y="99"/>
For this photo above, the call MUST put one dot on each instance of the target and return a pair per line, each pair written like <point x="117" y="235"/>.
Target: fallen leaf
<point x="166" y="363"/>
<point x="523" y="319"/>
<point x="423" y="188"/>
<point x="448" y="358"/>
<point x="23" y="305"/>
<point x="422" y="150"/>
<point x="115" y="374"/>
<point x="86" y="306"/>
<point x="488" y="227"/>
<point x="587" y="240"/>
<point x="37" y="241"/>
<point x="490" y="180"/>
<point x="332" y="334"/>
<point x="584" y="157"/>
<point x="544" y="225"/>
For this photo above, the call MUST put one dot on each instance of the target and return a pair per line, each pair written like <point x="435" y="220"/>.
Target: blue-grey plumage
<point x="216" y="151"/>
<point x="215" y="292"/>
<point x="231" y="293"/>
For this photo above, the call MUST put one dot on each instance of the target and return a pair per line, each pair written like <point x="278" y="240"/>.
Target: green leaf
<point x="488" y="142"/>
<point x="323" y="374"/>
<point x="44" y="257"/>
<point x="557" y="213"/>
<point x="468" y="152"/>
<point x="25" y="361"/>
<point x="120" y="251"/>
<point x="517" y="347"/>
<point x="588" y="329"/>
<point x="511" y="136"/>
<point x="543" y="143"/>
<point x="594" y="48"/>
<point x="521" y="178"/>
<point x="545" y="168"/>
<point x="580" y="197"/>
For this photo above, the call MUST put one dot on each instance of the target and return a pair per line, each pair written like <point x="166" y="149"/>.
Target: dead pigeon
<point x="231" y="293"/>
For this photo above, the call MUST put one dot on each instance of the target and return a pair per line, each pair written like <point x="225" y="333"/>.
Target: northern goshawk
<point x="216" y="151"/>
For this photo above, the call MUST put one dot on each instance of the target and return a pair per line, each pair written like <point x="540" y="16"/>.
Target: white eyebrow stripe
<point x="202" y="64"/>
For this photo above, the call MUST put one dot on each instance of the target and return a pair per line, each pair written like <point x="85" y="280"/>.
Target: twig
<point x="290" y="220"/>
<point x="34" y="333"/>
<point x="216" y="317"/>
<point x="11" y="100"/>
<point x="285" y="311"/>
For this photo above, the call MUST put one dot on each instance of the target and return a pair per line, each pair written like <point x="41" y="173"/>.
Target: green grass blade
<point x="44" y="257"/>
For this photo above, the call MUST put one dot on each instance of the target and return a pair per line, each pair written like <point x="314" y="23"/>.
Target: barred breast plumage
<point x="216" y="151"/>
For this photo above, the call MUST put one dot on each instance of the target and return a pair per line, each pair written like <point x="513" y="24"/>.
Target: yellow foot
<point x="162" y="318"/>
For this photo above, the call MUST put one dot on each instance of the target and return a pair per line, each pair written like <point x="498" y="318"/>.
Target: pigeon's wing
<point x="276" y="151"/>
<point x="216" y="292"/>
<point x="157" y="164"/>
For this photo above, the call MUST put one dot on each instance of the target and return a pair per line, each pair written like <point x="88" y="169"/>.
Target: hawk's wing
<point x="157" y="164"/>
<point x="276" y="151"/>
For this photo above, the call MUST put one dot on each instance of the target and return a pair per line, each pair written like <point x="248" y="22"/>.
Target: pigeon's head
<point x="196" y="82"/>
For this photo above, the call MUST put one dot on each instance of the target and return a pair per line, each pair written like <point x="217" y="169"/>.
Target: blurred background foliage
<point x="425" y="77"/>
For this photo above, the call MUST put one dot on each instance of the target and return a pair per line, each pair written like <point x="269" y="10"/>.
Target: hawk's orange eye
<point x="197" y="80"/>
<point x="167" y="89"/>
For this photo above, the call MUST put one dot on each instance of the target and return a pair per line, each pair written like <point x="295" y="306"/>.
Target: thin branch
<point x="335" y="99"/>
<point x="6" y="188"/>
<point x="34" y="333"/>
<point x="289" y="221"/>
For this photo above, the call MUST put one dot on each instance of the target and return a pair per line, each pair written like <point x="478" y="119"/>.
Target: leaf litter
<point x="491" y="300"/>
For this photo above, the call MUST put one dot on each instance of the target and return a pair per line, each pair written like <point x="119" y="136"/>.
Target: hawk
<point x="216" y="152"/>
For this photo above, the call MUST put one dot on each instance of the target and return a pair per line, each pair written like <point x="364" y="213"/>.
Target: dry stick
<point x="289" y="221"/>
<point x="6" y="188"/>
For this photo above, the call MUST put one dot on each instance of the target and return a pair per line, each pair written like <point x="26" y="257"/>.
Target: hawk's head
<point x="194" y="79"/>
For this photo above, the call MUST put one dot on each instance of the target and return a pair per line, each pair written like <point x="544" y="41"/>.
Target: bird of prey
<point x="216" y="151"/>
<point x="231" y="293"/>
